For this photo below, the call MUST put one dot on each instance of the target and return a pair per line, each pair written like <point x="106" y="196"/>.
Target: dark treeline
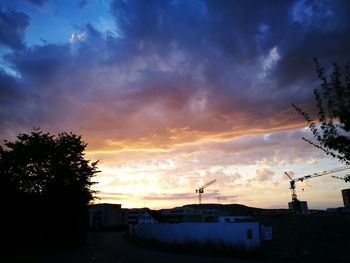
<point x="45" y="189"/>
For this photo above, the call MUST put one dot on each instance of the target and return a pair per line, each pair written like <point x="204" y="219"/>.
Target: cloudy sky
<point x="172" y="94"/>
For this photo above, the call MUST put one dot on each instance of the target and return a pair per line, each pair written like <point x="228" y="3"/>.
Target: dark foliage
<point x="331" y="130"/>
<point x="45" y="189"/>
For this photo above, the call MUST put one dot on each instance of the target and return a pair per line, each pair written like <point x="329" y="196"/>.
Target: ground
<point x="311" y="238"/>
<point x="112" y="247"/>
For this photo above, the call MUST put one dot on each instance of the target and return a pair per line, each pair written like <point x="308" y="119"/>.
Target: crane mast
<point x="200" y="190"/>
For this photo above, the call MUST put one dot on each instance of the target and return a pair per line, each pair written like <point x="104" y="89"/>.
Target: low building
<point x="234" y="219"/>
<point x="182" y="214"/>
<point x="106" y="216"/>
<point x="134" y="214"/>
<point x="192" y="213"/>
<point x="151" y="217"/>
<point x="298" y="207"/>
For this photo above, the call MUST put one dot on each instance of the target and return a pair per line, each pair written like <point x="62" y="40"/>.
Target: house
<point x="134" y="214"/>
<point x="151" y="217"/>
<point x="182" y="214"/>
<point x="106" y="216"/>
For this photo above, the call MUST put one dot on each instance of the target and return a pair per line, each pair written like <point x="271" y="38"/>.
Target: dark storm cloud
<point x="8" y="87"/>
<point x="38" y="65"/>
<point x="39" y="86"/>
<point x="224" y="37"/>
<point x="12" y="28"/>
<point x="320" y="29"/>
<point x="206" y="65"/>
<point x="216" y="38"/>
<point x="222" y="28"/>
<point x="11" y="101"/>
<point x="244" y="29"/>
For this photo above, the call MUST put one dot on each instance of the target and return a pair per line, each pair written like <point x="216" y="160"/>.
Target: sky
<point x="170" y="95"/>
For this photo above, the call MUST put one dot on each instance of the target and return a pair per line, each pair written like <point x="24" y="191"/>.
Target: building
<point x="134" y="214"/>
<point x="206" y="212"/>
<point x="346" y="197"/>
<point x="190" y="213"/>
<point x="151" y="217"/>
<point x="106" y="216"/>
<point x="298" y="207"/>
<point x="182" y="214"/>
<point x="234" y="219"/>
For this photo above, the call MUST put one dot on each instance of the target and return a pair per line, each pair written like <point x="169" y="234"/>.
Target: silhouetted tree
<point x="331" y="131"/>
<point x="46" y="186"/>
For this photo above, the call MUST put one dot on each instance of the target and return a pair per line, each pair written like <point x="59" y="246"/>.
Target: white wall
<point x="229" y="234"/>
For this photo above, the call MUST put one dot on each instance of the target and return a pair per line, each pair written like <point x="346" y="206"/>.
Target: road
<point x="111" y="247"/>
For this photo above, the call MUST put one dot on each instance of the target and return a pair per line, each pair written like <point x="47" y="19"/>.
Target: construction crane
<point x="200" y="190"/>
<point x="300" y="179"/>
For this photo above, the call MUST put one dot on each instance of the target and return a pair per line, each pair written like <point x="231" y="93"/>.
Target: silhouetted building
<point x="206" y="212"/>
<point x="106" y="215"/>
<point x="298" y="207"/>
<point x="134" y="215"/>
<point x="235" y="219"/>
<point x="182" y="214"/>
<point x="152" y="217"/>
<point x="346" y="197"/>
<point x="198" y="213"/>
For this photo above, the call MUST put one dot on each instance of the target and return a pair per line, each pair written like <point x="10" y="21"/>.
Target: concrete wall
<point x="229" y="233"/>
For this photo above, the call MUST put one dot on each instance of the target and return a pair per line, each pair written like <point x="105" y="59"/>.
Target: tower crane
<point x="200" y="190"/>
<point x="300" y="179"/>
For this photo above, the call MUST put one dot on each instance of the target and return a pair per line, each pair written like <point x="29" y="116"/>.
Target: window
<point x="249" y="233"/>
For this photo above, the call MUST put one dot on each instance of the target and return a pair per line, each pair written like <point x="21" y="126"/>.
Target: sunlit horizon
<point x="159" y="181"/>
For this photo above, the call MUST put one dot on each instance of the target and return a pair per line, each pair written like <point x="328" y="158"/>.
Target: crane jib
<point x="301" y="179"/>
